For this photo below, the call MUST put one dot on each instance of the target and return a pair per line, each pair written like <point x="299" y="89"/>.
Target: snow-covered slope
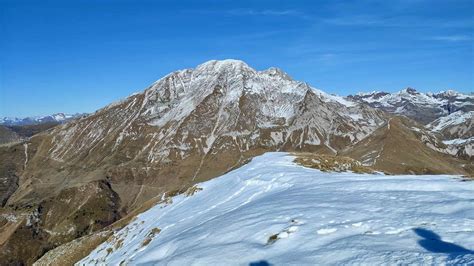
<point x="456" y="125"/>
<point x="457" y="130"/>
<point x="274" y="211"/>
<point x="422" y="107"/>
<point x="34" y="120"/>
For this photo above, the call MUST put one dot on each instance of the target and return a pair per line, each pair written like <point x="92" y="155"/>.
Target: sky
<point x="78" y="56"/>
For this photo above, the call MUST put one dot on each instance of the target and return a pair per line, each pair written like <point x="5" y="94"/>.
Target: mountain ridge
<point x="422" y="107"/>
<point x="35" y="120"/>
<point x="187" y="127"/>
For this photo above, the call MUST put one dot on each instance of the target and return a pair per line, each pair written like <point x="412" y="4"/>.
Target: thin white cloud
<point x="251" y="12"/>
<point x="398" y="21"/>
<point x="355" y="21"/>
<point x="263" y="12"/>
<point x="451" y="38"/>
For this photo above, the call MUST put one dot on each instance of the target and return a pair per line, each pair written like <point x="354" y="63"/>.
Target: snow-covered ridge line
<point x="422" y="107"/>
<point x="275" y="211"/>
<point x="411" y="91"/>
<point x="453" y="119"/>
<point x="458" y="141"/>
<point x="58" y="117"/>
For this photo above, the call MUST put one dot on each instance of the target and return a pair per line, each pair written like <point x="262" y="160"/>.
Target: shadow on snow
<point x="432" y="242"/>
<point x="260" y="263"/>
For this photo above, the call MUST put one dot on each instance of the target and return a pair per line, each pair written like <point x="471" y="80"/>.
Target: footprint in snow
<point x="297" y="222"/>
<point x="372" y="233"/>
<point x="292" y="229"/>
<point x="285" y="233"/>
<point x="359" y="224"/>
<point x="326" y="231"/>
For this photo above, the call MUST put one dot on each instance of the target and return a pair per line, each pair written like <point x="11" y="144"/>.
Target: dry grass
<point x="70" y="253"/>
<point x="192" y="190"/>
<point x="146" y="241"/>
<point x="118" y="244"/>
<point x="151" y="235"/>
<point x="329" y="163"/>
<point x="272" y="239"/>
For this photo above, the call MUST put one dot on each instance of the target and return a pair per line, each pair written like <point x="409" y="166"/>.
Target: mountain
<point x="194" y="116"/>
<point x="275" y="212"/>
<point x="189" y="126"/>
<point x="448" y="114"/>
<point x="422" y="107"/>
<point x="457" y="125"/>
<point x="35" y="120"/>
<point x="404" y="146"/>
<point x="96" y="171"/>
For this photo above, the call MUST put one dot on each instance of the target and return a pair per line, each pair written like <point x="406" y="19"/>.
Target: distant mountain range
<point x="13" y="129"/>
<point x="422" y="107"/>
<point x="35" y="120"/>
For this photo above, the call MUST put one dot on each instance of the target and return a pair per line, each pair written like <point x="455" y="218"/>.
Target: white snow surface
<point x="318" y="218"/>
<point x="334" y="98"/>
<point x="453" y="119"/>
<point x="458" y="141"/>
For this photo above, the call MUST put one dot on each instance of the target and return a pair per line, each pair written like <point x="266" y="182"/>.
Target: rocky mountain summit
<point x="190" y="126"/>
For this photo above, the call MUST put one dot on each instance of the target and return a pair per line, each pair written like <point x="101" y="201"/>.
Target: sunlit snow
<point x="273" y="211"/>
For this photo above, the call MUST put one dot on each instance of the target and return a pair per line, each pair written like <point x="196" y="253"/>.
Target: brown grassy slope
<point x="31" y="130"/>
<point x="73" y="251"/>
<point x="7" y="135"/>
<point x="73" y="213"/>
<point x="12" y="158"/>
<point x="398" y="149"/>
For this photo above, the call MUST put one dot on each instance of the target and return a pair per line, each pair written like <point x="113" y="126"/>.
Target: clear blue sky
<point x="77" y="56"/>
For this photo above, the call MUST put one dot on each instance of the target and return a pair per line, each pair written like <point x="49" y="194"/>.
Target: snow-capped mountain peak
<point x="422" y="107"/>
<point x="410" y="90"/>
<point x="220" y="107"/>
<point x="449" y="93"/>
<point x="222" y="65"/>
<point x="276" y="72"/>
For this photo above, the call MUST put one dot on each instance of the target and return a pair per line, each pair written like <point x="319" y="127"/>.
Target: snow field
<point x="275" y="211"/>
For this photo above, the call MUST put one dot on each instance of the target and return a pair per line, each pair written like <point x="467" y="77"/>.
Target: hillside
<point x="190" y="126"/>
<point x="274" y="211"/>
<point x="187" y="127"/>
<point x="403" y="146"/>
